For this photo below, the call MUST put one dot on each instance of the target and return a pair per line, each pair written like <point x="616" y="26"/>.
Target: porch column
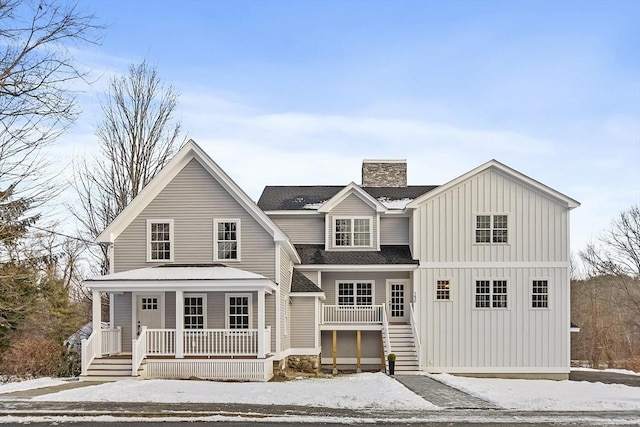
<point x="97" y="321"/>
<point x="179" y="324"/>
<point x="261" y="352"/>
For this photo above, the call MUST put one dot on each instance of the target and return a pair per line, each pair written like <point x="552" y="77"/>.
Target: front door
<point x="148" y="312"/>
<point x="397" y="291"/>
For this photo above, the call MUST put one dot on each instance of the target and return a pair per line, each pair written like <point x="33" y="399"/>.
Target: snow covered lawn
<point x="29" y="384"/>
<point x="543" y="395"/>
<point x="366" y="390"/>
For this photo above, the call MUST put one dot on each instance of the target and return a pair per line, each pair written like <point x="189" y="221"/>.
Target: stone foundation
<point x="307" y="364"/>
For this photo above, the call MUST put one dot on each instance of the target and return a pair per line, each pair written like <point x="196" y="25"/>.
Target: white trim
<point x="185" y="285"/>
<point x="491" y="216"/>
<point x="226" y="307"/>
<point x="353" y="282"/>
<point x="301" y="351"/>
<point x="351" y="361"/>
<point x="308" y="294"/>
<point x="352" y="188"/>
<point x="498" y="370"/>
<point x="492" y="264"/>
<point x="316" y="319"/>
<point x="305" y="212"/>
<point x="352" y="246"/>
<point x="511" y="173"/>
<point x="278" y="279"/>
<point x="172" y="242"/>
<point x="357" y="267"/>
<point x="217" y="221"/>
<point x="407" y="300"/>
<point x="204" y="307"/>
<point x="350" y="327"/>
<point x="134" y="309"/>
<point x="112" y="310"/>
<point x="378" y="226"/>
<point x="435" y="290"/>
<point x="531" y="307"/>
<point x="490" y="280"/>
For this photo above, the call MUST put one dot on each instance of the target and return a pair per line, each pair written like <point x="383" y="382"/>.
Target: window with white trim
<point x="540" y="294"/>
<point x="355" y="293"/>
<point x="352" y="232"/>
<point x="443" y="290"/>
<point x="227" y="240"/>
<point x="159" y="240"/>
<point x="195" y="311"/>
<point x="239" y="311"/>
<point x="492" y="229"/>
<point x="491" y="294"/>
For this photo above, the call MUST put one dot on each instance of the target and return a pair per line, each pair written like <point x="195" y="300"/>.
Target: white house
<point x="469" y="277"/>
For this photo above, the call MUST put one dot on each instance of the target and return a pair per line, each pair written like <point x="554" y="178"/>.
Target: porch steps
<point x="403" y="345"/>
<point x="112" y="368"/>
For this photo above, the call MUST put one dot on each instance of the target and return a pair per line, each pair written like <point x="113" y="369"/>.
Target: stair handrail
<point x="385" y="327"/>
<point x="138" y="351"/>
<point x="416" y="336"/>
<point x="89" y="351"/>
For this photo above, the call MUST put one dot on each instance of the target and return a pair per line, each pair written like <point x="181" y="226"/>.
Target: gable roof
<point x="188" y="152"/>
<point x="512" y="173"/>
<point x="311" y="197"/>
<point x="301" y="283"/>
<point x="350" y="189"/>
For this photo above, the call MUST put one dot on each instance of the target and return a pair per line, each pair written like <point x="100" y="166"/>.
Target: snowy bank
<point x="29" y="384"/>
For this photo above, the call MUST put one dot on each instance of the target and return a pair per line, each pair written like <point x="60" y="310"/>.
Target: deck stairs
<point x="111" y="368"/>
<point x="404" y="346"/>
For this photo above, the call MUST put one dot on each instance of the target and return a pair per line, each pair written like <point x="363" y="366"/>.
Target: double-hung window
<point x="352" y="232"/>
<point x="491" y="294"/>
<point x="238" y="311"/>
<point x="195" y="311"/>
<point x="355" y="293"/>
<point x="227" y="239"/>
<point x="159" y="240"/>
<point x="540" y="294"/>
<point x="492" y="229"/>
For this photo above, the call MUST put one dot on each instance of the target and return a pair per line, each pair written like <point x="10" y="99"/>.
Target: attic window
<point x="492" y="229"/>
<point x="352" y="232"/>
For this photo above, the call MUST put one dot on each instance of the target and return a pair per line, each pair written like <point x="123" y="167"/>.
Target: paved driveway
<point x="440" y="394"/>
<point x="605" y="377"/>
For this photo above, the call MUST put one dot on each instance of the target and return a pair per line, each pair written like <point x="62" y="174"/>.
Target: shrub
<point x="34" y="356"/>
<point x="391" y="357"/>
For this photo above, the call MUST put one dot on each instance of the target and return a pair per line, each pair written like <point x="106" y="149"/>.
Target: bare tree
<point x="37" y="73"/>
<point x="138" y="136"/>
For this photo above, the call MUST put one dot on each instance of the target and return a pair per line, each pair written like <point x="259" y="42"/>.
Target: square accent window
<point x="491" y="294"/>
<point x="443" y="290"/>
<point x="540" y="294"/>
<point x="239" y="311"/>
<point x="159" y="240"/>
<point x="227" y="240"/>
<point x="492" y="229"/>
<point x="355" y="293"/>
<point x="149" y="303"/>
<point x="194" y="312"/>
<point x="352" y="232"/>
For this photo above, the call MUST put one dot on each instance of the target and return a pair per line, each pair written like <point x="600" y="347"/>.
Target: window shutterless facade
<point x="195" y="315"/>
<point x="540" y="294"/>
<point x="239" y="311"/>
<point x="443" y="290"/>
<point x="491" y="294"/>
<point x="352" y="232"/>
<point x="354" y="293"/>
<point x="227" y="240"/>
<point x="160" y="240"/>
<point x="492" y="229"/>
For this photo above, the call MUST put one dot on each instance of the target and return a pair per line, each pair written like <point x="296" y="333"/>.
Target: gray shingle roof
<point x="300" y="283"/>
<point x="388" y="254"/>
<point x="278" y="198"/>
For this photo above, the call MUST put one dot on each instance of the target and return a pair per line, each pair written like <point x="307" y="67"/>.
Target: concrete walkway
<point x="28" y="394"/>
<point x="440" y="394"/>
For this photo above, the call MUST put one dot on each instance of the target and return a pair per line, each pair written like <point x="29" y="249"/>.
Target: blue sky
<point x="299" y="92"/>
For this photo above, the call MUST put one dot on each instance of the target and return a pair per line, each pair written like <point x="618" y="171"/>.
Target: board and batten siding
<point x="193" y="199"/>
<point x="444" y="227"/>
<point x="303" y="319"/>
<point x="458" y="335"/>
<point x="351" y="206"/>
<point x="303" y="229"/>
<point x="394" y="231"/>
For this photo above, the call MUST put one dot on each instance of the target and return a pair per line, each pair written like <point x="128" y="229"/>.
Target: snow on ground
<point x="537" y="395"/>
<point x="366" y="390"/>
<point x="613" y="371"/>
<point x="29" y="384"/>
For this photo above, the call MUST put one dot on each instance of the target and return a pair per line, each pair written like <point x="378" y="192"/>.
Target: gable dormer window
<point x="352" y="232"/>
<point x="227" y="240"/>
<point x="159" y="240"/>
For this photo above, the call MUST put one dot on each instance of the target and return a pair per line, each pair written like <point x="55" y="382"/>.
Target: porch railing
<point x="352" y="314"/>
<point x="206" y="342"/>
<point x="89" y="351"/>
<point x="111" y="340"/>
<point x="161" y="342"/>
<point x="138" y="351"/>
<point x="414" y="327"/>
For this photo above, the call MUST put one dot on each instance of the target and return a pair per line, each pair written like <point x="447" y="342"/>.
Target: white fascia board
<point x="357" y="267"/>
<point x="305" y="212"/>
<point x="183" y="285"/>
<point x="352" y="188"/>
<point x="512" y="173"/>
<point x="499" y="370"/>
<point x="350" y="327"/>
<point x="320" y="295"/>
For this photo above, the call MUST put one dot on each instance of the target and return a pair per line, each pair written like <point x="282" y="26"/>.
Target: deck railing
<point x="111" y="340"/>
<point x="352" y="314"/>
<point x="387" y="341"/>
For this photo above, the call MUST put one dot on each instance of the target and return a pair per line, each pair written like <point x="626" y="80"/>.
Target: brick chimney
<point x="384" y="173"/>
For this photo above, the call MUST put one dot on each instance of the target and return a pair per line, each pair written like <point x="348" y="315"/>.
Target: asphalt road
<point x="605" y="377"/>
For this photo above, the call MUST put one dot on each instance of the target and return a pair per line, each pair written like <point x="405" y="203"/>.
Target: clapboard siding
<point x="302" y="229"/>
<point x="379" y="278"/>
<point x="122" y="318"/>
<point x="352" y="205"/>
<point x="286" y="269"/>
<point x="459" y="335"/>
<point x="193" y="199"/>
<point x="538" y="227"/>
<point x="303" y="322"/>
<point x="394" y="231"/>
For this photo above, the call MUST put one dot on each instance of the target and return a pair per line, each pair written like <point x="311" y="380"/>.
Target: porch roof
<point x="182" y="276"/>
